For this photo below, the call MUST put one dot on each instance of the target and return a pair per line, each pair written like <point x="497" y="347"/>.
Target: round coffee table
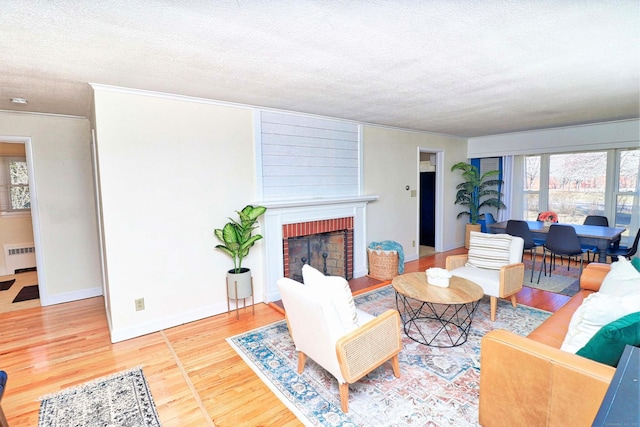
<point x="436" y="316"/>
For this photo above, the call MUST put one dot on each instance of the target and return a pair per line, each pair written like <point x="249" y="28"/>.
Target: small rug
<point x="122" y="399"/>
<point x="561" y="281"/>
<point x="4" y="286"/>
<point x="437" y="387"/>
<point x="27" y="293"/>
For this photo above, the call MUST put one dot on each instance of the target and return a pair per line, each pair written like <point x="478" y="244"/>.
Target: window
<point x="531" y="187"/>
<point x="15" y="179"/>
<point x="627" y="211"/>
<point x="586" y="183"/>
<point x="577" y="183"/>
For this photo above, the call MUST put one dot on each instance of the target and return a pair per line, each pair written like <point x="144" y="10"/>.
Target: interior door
<point x="427" y="208"/>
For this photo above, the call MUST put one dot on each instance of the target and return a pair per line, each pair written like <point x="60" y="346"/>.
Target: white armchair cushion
<point x="488" y="279"/>
<point x="338" y="291"/>
<point x="489" y="251"/>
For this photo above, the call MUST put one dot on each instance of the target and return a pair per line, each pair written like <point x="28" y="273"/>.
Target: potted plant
<point x="237" y="238"/>
<point x="475" y="192"/>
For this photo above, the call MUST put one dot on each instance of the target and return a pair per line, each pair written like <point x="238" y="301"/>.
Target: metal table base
<point x="454" y="321"/>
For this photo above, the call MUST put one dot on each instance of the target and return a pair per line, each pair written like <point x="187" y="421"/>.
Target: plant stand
<point x="236" y="299"/>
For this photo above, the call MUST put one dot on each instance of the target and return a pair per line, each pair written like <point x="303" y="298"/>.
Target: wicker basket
<point x="383" y="265"/>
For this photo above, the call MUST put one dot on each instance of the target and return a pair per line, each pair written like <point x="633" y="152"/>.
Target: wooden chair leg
<point x="302" y="359"/>
<point x="344" y="397"/>
<point x="514" y="303"/>
<point x="395" y="363"/>
<point x="494" y="307"/>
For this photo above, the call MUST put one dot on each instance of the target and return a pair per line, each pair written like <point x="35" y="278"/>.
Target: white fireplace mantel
<point x="291" y="212"/>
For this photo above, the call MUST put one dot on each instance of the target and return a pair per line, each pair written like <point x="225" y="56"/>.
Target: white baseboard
<point x="126" y="333"/>
<point x="69" y="296"/>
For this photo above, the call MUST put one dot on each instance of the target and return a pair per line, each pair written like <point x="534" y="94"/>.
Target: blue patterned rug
<point x="437" y="387"/>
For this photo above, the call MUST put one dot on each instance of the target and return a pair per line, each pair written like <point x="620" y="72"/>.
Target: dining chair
<point x="521" y="229"/>
<point x="594" y="220"/>
<point x="561" y="240"/>
<point x="486" y="222"/>
<point x="624" y="251"/>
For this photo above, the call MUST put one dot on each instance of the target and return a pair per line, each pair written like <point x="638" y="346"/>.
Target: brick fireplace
<point x="291" y="219"/>
<point x="326" y="245"/>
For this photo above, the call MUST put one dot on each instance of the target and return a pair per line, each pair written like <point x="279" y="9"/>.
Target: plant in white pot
<point x="237" y="238"/>
<point x="475" y="192"/>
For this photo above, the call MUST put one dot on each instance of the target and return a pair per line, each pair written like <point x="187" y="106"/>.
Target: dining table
<point x="589" y="235"/>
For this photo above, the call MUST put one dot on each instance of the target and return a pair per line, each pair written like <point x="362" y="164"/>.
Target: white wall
<point x="170" y="171"/>
<point x="391" y="162"/>
<point x="622" y="134"/>
<point x="68" y="263"/>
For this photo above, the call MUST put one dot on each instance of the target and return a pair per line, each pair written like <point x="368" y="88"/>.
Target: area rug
<point x="122" y="399"/>
<point x="27" y="293"/>
<point x="437" y="387"/>
<point x="5" y="285"/>
<point x="561" y="281"/>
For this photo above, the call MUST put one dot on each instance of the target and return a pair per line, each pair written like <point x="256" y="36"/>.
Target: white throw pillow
<point x="338" y="290"/>
<point x="622" y="280"/>
<point x="490" y="251"/>
<point x="596" y="310"/>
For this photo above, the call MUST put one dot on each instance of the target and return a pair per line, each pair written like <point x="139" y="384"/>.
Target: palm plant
<point x="477" y="190"/>
<point x="237" y="235"/>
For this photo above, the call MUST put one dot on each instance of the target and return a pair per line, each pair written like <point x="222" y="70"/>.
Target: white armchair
<point x="494" y="262"/>
<point x="325" y="326"/>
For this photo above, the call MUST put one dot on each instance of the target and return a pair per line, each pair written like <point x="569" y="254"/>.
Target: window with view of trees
<point x="575" y="185"/>
<point x="16" y="185"/>
<point x="532" y="187"/>
<point x="626" y="192"/>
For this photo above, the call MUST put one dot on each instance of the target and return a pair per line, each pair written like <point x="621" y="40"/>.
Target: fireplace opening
<point x="326" y="245"/>
<point x="326" y="252"/>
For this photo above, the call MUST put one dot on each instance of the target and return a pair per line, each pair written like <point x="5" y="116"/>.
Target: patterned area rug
<point x="562" y="281"/>
<point x="437" y="387"/>
<point x="122" y="399"/>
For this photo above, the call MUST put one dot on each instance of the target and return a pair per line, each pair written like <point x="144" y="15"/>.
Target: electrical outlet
<point x="140" y="304"/>
<point x="414" y="243"/>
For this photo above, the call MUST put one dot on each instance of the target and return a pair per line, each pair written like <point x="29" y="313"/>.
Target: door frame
<point x="35" y="217"/>
<point x="439" y="206"/>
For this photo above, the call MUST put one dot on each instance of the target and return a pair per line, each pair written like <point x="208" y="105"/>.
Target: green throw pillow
<point x="636" y="263"/>
<point x="607" y="345"/>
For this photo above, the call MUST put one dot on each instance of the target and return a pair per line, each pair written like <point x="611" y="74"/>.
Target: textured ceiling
<point x="466" y="68"/>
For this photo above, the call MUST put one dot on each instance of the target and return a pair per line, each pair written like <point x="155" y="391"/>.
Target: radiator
<point x="19" y="256"/>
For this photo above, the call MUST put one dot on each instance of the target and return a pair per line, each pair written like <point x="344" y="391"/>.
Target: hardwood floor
<point x="6" y="297"/>
<point x="195" y="377"/>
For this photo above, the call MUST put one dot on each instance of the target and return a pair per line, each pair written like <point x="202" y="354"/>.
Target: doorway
<point x="429" y="238"/>
<point x="19" y="287"/>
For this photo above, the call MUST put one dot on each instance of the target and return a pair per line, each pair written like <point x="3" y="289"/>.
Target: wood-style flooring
<point x="195" y="377"/>
<point x="6" y="297"/>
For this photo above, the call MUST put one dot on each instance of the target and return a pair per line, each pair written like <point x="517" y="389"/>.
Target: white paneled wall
<point x="307" y="157"/>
